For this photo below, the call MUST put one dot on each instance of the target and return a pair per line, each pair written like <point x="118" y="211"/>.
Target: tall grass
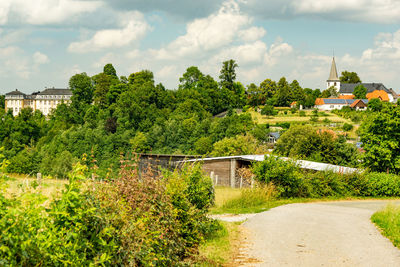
<point x="251" y="197"/>
<point x="388" y="220"/>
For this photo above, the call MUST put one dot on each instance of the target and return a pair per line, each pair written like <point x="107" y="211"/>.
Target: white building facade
<point x="44" y="101"/>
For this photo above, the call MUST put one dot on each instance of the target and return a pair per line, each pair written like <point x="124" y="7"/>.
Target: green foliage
<point x="129" y="221"/>
<point x="239" y="145"/>
<point x="347" y="127"/>
<point x="82" y="88"/>
<point x="306" y="142"/>
<point x="2" y="102"/>
<point x="349" y="77"/>
<point x="382" y="184"/>
<point x="268" y="110"/>
<point x="360" y="92"/>
<point x="203" y="145"/>
<point x="282" y="174"/>
<point x="302" y="113"/>
<point x="379" y="135"/>
<point x="375" y="104"/>
<point x="110" y="70"/>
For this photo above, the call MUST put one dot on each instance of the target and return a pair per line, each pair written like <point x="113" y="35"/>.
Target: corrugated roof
<point x="303" y="164"/>
<point x="56" y="91"/>
<point x="333" y="75"/>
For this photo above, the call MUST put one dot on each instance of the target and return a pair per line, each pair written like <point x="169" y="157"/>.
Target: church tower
<point x="333" y="79"/>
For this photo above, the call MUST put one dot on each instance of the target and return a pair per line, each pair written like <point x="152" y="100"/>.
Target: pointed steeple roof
<point x="333" y="75"/>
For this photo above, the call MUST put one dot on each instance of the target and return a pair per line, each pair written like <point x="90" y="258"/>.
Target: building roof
<point x="346" y="96"/>
<point x="382" y="95"/>
<point x="15" y="92"/>
<point x="337" y="101"/>
<point x="56" y="91"/>
<point x="304" y="164"/>
<point x="333" y="75"/>
<point x="348" y="88"/>
<point x="275" y="135"/>
<point x="359" y="103"/>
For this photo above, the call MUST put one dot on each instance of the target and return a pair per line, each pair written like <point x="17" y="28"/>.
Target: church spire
<point x="333" y="75"/>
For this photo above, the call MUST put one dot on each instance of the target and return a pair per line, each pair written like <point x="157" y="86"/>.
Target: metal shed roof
<point x="303" y="164"/>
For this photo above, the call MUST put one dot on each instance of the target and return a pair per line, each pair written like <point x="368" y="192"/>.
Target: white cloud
<point x="207" y="34"/>
<point x="250" y="53"/>
<point x="252" y="34"/>
<point x="4" y="10"/>
<point x="134" y="28"/>
<point x="41" y="12"/>
<point x="14" y="62"/>
<point x="378" y="11"/>
<point x="40" y="58"/>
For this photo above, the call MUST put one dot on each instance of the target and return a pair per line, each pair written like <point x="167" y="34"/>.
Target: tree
<point x="190" y="78"/>
<point x="375" y="104"/>
<point x="110" y="70"/>
<point x="297" y="92"/>
<point x="255" y="95"/>
<point x="239" y="145"/>
<point x="268" y="110"/>
<point x="307" y="142"/>
<point x="380" y="137"/>
<point x="360" y="92"/>
<point x="102" y="83"/>
<point x="331" y="91"/>
<point x="269" y="88"/>
<point x="82" y="88"/>
<point x="284" y="97"/>
<point x="228" y="74"/>
<point x="349" y="77"/>
<point x="2" y="101"/>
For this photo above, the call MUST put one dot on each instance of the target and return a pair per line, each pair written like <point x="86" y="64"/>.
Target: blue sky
<point x="44" y="42"/>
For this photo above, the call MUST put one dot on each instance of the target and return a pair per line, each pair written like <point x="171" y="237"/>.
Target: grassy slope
<point x="388" y="220"/>
<point x="261" y="119"/>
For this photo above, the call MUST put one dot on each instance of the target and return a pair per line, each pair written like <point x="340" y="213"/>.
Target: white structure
<point x="333" y="79"/>
<point x="44" y="101"/>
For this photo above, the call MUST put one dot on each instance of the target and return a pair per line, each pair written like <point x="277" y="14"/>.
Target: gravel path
<point x="319" y="234"/>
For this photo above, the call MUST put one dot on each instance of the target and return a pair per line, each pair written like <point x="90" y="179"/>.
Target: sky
<point x="44" y="42"/>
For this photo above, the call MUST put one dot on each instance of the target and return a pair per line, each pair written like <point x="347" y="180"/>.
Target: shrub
<point x="347" y="127"/>
<point x="268" y="110"/>
<point x="283" y="174"/>
<point x="382" y="184"/>
<point x="130" y="221"/>
<point x="302" y="113"/>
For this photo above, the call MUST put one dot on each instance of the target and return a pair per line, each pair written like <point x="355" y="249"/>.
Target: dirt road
<point x="319" y="234"/>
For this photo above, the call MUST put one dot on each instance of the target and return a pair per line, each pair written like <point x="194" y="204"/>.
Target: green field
<point x="262" y="119"/>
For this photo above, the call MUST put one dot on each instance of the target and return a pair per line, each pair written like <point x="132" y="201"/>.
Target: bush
<point x="268" y="110"/>
<point x="302" y="113"/>
<point x="284" y="175"/>
<point x="347" y="127"/>
<point x="382" y="184"/>
<point x="131" y="221"/>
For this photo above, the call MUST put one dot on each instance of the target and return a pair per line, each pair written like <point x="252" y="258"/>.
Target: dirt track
<point x="319" y="234"/>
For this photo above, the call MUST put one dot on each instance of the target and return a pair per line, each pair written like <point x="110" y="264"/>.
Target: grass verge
<point x="220" y="249"/>
<point x="388" y="221"/>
